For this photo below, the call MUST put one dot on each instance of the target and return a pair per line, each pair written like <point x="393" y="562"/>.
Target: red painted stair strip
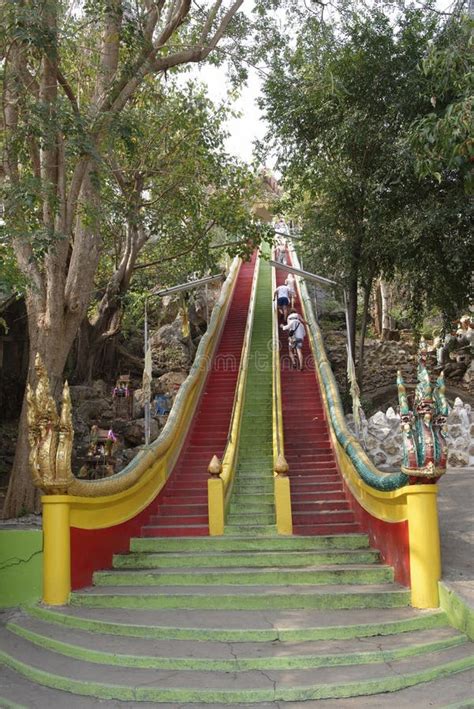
<point x="319" y="505"/>
<point x="181" y="508"/>
<point x="93" y="549"/>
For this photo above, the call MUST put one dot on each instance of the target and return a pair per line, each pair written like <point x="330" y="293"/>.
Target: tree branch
<point x="209" y="22"/>
<point x="180" y="253"/>
<point x="68" y="91"/>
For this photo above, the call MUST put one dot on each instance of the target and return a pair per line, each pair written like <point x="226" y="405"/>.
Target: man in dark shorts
<point x="282" y="297"/>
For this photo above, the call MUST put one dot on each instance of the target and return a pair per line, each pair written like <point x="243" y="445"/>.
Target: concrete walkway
<point x="456" y="520"/>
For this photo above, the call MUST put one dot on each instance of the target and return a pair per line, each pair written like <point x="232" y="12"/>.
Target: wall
<point x="21" y="563"/>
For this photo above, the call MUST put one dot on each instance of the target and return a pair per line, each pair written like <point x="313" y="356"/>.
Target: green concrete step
<point x="231" y="559"/>
<point x="224" y="657"/>
<point x="243" y="502"/>
<point x="239" y="544"/>
<point x="354" y="574"/>
<point x="254" y="530"/>
<point x="243" y="597"/>
<point x="252" y="517"/>
<point x="448" y="692"/>
<point x="236" y="626"/>
<point x="164" y="686"/>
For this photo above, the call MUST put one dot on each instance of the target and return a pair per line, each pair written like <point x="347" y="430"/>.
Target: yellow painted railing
<point x="109" y="502"/>
<point x="281" y="482"/>
<point x="414" y="504"/>
<point x="219" y="487"/>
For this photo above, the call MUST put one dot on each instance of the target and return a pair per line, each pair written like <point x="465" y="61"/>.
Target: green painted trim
<point x="283" y="662"/>
<point x="274" y="601"/>
<point x="159" y="695"/>
<point x="21" y="566"/>
<point x="460" y="614"/>
<point x="428" y="621"/>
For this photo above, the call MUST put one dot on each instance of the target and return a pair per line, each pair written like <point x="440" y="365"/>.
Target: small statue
<point x="424" y="427"/>
<point x="100" y="460"/>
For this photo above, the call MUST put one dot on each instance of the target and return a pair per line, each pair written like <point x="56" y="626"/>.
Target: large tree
<point x="170" y="191"/>
<point x="69" y="71"/>
<point x="341" y="103"/>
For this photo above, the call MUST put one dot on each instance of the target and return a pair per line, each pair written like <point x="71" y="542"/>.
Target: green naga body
<point x="423" y="425"/>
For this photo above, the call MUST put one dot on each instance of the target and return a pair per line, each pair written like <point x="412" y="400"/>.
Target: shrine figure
<point x="100" y="458"/>
<point x="122" y="395"/>
<point x="423" y="425"/>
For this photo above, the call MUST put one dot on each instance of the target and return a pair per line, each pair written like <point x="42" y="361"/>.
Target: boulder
<point x="458" y="459"/>
<point x="101" y="388"/>
<point x="134" y="431"/>
<point x="81" y="392"/>
<point x="455" y="430"/>
<point x="170" y="349"/>
<point x="169" y="383"/>
<point x="94" y="409"/>
<point x="379" y="458"/>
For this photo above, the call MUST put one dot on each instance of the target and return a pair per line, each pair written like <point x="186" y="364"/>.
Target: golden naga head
<point x="50" y="436"/>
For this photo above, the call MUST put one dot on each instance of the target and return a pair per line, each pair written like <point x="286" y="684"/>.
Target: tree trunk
<point x="352" y="313"/>
<point x="388" y="322"/>
<point x="53" y="345"/>
<point x="363" y="331"/>
<point x="82" y="354"/>
<point x="378" y="310"/>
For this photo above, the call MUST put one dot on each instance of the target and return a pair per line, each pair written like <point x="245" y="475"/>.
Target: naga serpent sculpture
<point x="424" y="426"/>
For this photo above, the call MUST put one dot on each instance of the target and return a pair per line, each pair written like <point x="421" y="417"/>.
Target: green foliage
<point x="341" y="104"/>
<point x="442" y="138"/>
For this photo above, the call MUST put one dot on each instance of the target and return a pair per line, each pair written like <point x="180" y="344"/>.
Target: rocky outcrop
<point x="381" y="438"/>
<point x="171" y="350"/>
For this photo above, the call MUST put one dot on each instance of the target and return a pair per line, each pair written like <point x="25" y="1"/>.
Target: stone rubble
<point x="382" y="440"/>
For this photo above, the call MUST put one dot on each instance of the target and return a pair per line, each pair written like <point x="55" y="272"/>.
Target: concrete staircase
<point x="230" y="621"/>
<point x="246" y="619"/>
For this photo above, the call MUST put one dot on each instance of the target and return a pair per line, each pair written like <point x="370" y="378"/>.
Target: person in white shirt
<point x="296" y="334"/>
<point x="282" y="297"/>
<point x="290" y="282"/>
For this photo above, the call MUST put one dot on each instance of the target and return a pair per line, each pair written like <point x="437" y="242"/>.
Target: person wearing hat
<point x="296" y="333"/>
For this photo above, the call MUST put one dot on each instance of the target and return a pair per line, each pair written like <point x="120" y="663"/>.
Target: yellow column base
<point x="57" y="550"/>
<point x="284" y="520"/>
<point x="425" y="556"/>
<point x="215" y="502"/>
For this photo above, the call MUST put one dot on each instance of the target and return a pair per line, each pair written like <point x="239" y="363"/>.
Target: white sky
<point x="250" y="126"/>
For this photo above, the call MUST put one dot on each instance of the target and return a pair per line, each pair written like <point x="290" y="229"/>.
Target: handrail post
<point x="281" y="483"/>
<point x="424" y="545"/>
<point x="56" y="550"/>
<point x="284" y="518"/>
<point x="215" y="498"/>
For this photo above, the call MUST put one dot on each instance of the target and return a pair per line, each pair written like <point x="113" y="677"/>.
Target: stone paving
<point x="456" y="520"/>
